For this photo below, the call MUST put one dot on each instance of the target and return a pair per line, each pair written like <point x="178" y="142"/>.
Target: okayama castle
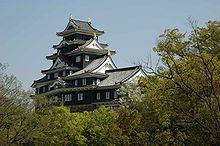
<point x="83" y="75"/>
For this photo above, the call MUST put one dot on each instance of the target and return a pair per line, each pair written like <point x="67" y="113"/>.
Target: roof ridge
<point x="126" y="68"/>
<point x="89" y="25"/>
<point x="80" y="20"/>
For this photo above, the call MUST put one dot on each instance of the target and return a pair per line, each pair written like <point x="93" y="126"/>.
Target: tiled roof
<point x="85" y="75"/>
<point x="59" y="69"/>
<point x="118" y="75"/>
<point x="64" y="43"/>
<point x="75" y="25"/>
<point x="84" y="25"/>
<point x="42" y="82"/>
<point x="92" y="66"/>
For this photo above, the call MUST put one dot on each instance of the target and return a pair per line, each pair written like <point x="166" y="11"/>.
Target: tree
<point x="16" y="116"/>
<point x="190" y="71"/>
<point x="181" y="94"/>
<point x="153" y="116"/>
<point x="131" y="123"/>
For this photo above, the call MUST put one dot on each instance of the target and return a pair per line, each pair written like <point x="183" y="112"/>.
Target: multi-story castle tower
<point x="83" y="74"/>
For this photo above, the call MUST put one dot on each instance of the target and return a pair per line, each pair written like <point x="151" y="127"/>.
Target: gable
<point x="94" y="45"/>
<point x="58" y="63"/>
<point x="70" y="26"/>
<point x="58" y="84"/>
<point x="107" y="65"/>
<point x="137" y="75"/>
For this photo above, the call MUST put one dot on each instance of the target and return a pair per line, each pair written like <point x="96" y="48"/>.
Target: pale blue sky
<point x="28" y="27"/>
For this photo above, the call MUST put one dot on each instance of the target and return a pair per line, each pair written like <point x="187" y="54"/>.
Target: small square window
<point x="83" y="82"/>
<point x="56" y="75"/>
<point x="48" y="76"/>
<point x="78" y="58"/>
<point x="86" y="57"/>
<point x="97" y="81"/>
<point x="107" y="95"/>
<point x="76" y="82"/>
<point x="98" y="96"/>
<point x="44" y="89"/>
<point x="64" y="73"/>
<point x="80" y="97"/>
<point x="68" y="97"/>
<point x="115" y="94"/>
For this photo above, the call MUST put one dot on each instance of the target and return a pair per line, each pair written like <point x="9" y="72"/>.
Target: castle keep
<point x="83" y="74"/>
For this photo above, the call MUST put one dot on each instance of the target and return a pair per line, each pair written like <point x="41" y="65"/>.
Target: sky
<point x="28" y="28"/>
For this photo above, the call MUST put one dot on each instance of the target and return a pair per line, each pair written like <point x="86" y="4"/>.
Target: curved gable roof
<point x="92" y="66"/>
<point x="118" y="76"/>
<point x="74" y="25"/>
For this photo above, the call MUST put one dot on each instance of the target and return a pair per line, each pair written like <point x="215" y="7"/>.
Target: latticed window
<point x="86" y="57"/>
<point x="78" y="58"/>
<point x="64" y="73"/>
<point x="48" y="76"/>
<point x="115" y="94"/>
<point x="97" y="81"/>
<point x="56" y="75"/>
<point x="98" y="96"/>
<point x="83" y="82"/>
<point x="107" y="95"/>
<point x="68" y="97"/>
<point x="80" y="97"/>
<point x="44" y="89"/>
<point x="76" y="82"/>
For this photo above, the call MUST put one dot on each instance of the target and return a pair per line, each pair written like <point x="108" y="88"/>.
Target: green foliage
<point x="58" y="126"/>
<point x="101" y="127"/>
<point x="131" y="123"/>
<point x="16" y="118"/>
<point x="192" y="69"/>
<point x="45" y="124"/>
<point x="181" y="102"/>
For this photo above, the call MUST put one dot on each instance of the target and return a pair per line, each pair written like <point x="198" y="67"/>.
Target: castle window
<point x="107" y="96"/>
<point x="48" y="76"/>
<point x="68" y="97"/>
<point x="64" y="73"/>
<point x="56" y="75"/>
<point x="115" y="94"/>
<point x="44" y="89"/>
<point x="98" y="96"/>
<point x="86" y="57"/>
<point x="97" y="81"/>
<point x="78" y="58"/>
<point x="76" y="82"/>
<point x="80" y="97"/>
<point x="83" y="82"/>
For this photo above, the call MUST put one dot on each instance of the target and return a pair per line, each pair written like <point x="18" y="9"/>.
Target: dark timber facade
<point x="83" y="74"/>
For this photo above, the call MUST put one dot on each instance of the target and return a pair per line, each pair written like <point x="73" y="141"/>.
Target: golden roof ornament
<point x="58" y="53"/>
<point x="89" y="20"/>
<point x="94" y="35"/>
<point x="109" y="53"/>
<point x="71" y="17"/>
